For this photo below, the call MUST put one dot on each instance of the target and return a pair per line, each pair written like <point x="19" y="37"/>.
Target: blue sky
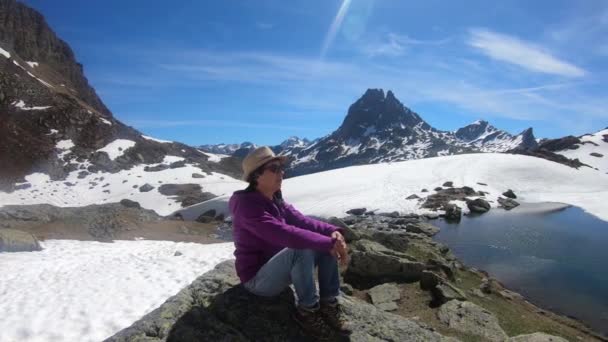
<point x="230" y="71"/>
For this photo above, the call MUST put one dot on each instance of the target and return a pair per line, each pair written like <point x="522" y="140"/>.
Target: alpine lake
<point x="554" y="255"/>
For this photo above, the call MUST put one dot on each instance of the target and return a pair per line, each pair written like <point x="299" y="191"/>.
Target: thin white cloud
<point x="524" y="54"/>
<point x="396" y="45"/>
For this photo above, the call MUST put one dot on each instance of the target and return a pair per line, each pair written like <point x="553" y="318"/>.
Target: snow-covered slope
<point x="385" y="186"/>
<point x="81" y="189"/>
<point x="593" y="150"/>
<point x="88" y="291"/>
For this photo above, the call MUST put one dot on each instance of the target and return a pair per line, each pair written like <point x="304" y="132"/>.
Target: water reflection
<point x="552" y="253"/>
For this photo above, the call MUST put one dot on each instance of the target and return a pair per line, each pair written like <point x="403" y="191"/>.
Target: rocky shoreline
<point x="400" y="285"/>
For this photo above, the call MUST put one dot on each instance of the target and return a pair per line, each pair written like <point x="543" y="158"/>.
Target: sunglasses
<point x="275" y="168"/>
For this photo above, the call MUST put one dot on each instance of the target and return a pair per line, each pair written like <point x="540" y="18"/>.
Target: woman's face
<point x="271" y="177"/>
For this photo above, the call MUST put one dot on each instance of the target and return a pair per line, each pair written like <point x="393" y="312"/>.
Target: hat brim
<point x="283" y="159"/>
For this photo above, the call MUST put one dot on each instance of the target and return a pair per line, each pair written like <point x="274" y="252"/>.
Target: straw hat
<point x="257" y="158"/>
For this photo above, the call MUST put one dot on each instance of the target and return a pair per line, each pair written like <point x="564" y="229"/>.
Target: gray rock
<point x="197" y="175"/>
<point x="445" y="292"/>
<point x="156" y="168"/>
<point x="414" y="196"/>
<point x="146" y="187"/>
<point x="478" y="205"/>
<point x="177" y="164"/>
<point x="390" y="306"/>
<point x="448" y="184"/>
<point x="372" y="263"/>
<point x="424" y="190"/>
<point x="537" y="337"/>
<point x="384" y="293"/>
<point x="12" y="240"/>
<point x="472" y="319"/>
<point x="595" y="154"/>
<point x="357" y="211"/>
<point x="429" y="280"/>
<point x="453" y="213"/>
<point x="215" y="308"/>
<point x="422" y="228"/>
<point x="130" y="204"/>
<point x="509" y="193"/>
<point x="507" y="203"/>
<point x="177" y="253"/>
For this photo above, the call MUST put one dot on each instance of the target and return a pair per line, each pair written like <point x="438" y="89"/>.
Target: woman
<point x="277" y="246"/>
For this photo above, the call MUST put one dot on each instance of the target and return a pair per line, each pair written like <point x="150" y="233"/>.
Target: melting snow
<point x="88" y="291"/>
<point x="215" y="158"/>
<point x="172" y="159"/>
<point x="117" y="148"/>
<point x="32" y="64"/>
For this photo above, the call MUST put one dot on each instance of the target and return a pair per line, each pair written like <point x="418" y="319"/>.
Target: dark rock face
<point x="71" y="111"/>
<point x="553" y="145"/>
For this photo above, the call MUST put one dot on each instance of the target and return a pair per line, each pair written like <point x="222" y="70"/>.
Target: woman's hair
<point x="252" y="179"/>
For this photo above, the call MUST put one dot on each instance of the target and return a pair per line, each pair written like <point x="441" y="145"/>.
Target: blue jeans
<point x="297" y="266"/>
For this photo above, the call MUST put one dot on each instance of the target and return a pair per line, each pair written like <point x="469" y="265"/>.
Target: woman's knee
<point x="305" y="255"/>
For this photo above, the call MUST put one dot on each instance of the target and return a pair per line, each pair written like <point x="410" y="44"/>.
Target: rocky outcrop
<point x="215" y="308"/>
<point x="12" y="240"/>
<point x="101" y="222"/>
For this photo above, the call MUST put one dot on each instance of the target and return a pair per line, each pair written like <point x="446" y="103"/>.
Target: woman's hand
<point x="340" y="250"/>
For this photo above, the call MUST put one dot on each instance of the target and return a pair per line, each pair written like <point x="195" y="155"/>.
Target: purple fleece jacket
<point x="261" y="229"/>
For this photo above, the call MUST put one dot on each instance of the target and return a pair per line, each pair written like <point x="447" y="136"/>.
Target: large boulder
<point x="471" y="319"/>
<point x="507" y="203"/>
<point x="12" y="240"/>
<point x="478" y="205"/>
<point x="215" y="308"/>
<point x="372" y="263"/>
<point x="453" y="213"/>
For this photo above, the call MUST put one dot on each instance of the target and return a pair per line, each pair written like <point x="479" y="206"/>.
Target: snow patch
<point x="117" y="148"/>
<point x="40" y="80"/>
<point x="157" y="140"/>
<point x="21" y="105"/>
<point x="4" y="53"/>
<point x="215" y="158"/>
<point x="105" y="121"/>
<point x="32" y="64"/>
<point x="17" y="64"/>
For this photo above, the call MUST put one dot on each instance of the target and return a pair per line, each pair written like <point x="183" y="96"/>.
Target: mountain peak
<point x="378" y="111"/>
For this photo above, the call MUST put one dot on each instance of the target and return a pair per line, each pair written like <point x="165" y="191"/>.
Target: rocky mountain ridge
<point x="52" y="123"/>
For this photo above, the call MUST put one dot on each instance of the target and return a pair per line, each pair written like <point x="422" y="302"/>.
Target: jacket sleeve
<point x="293" y="216"/>
<point x="265" y="226"/>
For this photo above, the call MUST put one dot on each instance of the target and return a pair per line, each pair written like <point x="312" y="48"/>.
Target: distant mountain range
<point x="379" y="128"/>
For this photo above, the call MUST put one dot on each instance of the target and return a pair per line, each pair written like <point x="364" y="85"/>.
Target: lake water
<point x="555" y="258"/>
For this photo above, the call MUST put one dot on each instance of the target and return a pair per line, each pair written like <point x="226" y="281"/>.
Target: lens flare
<point x="335" y="27"/>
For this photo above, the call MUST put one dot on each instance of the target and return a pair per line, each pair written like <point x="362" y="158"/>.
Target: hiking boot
<point x="332" y="314"/>
<point x="311" y="321"/>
